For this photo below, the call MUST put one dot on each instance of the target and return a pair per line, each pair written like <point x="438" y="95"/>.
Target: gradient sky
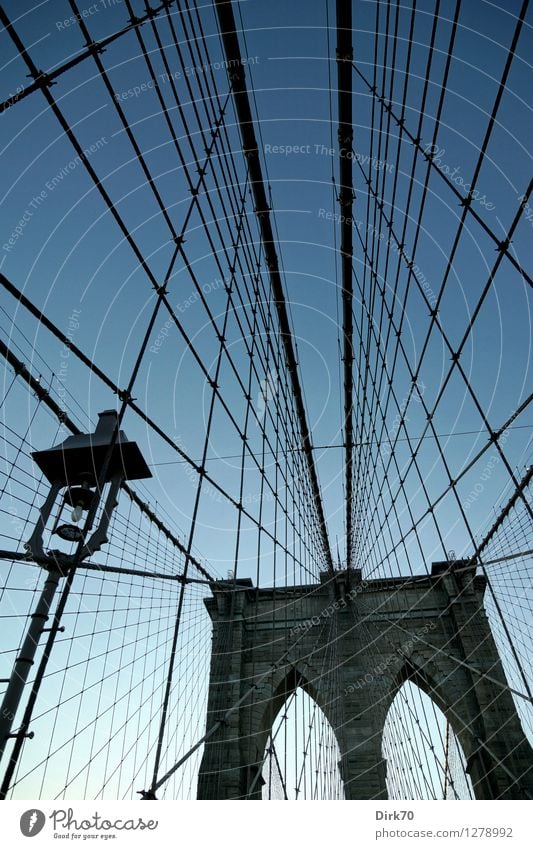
<point x="72" y="262"/>
<point x="71" y="257"/>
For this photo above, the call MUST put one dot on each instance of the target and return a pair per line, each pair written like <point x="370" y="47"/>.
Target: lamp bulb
<point x="77" y="513"/>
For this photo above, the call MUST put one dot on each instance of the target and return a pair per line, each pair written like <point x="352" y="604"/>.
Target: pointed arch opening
<point x="425" y="759"/>
<point x="301" y="756"/>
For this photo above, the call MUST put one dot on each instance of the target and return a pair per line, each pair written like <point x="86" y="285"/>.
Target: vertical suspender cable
<point x="230" y="42"/>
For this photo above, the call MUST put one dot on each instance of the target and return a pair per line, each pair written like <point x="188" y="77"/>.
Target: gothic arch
<point x="461" y="696"/>
<point x="258" y="660"/>
<point x="425" y="675"/>
<point x="279" y="710"/>
<point x="284" y="684"/>
<point x="270" y="700"/>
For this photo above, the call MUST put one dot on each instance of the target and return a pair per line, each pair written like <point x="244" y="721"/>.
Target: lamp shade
<point x="81" y="457"/>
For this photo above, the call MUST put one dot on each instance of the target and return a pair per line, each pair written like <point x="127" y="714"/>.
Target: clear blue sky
<point x="61" y="247"/>
<point x="71" y="255"/>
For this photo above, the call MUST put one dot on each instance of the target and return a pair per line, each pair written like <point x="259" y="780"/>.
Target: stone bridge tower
<point x="351" y="644"/>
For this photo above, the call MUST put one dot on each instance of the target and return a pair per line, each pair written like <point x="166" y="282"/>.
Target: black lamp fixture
<point x="76" y="466"/>
<point x="83" y="466"/>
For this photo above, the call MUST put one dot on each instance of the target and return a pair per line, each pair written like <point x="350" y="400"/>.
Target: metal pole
<point x="24" y="661"/>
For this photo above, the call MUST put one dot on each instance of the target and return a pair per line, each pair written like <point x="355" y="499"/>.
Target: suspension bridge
<point x="265" y="498"/>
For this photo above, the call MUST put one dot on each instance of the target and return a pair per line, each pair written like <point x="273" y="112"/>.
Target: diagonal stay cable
<point x="120" y="222"/>
<point x="33" y="70"/>
<point x="494" y="436"/>
<point x="160" y="431"/>
<point x="363" y="467"/>
<point x="465" y="200"/>
<point x="46" y="78"/>
<point x="522" y="486"/>
<point x="283" y="660"/>
<point x="237" y="79"/>
<point x="91" y="513"/>
<point x="409" y="262"/>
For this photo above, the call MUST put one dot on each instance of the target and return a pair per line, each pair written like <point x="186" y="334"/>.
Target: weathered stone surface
<point x="351" y="644"/>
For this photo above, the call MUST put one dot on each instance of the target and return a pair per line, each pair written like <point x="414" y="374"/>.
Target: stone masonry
<point x="351" y="644"/>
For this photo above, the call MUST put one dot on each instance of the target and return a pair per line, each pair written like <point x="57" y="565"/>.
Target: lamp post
<point x="78" y="471"/>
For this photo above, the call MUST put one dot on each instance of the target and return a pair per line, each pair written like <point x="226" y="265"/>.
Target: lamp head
<point x="80" y="457"/>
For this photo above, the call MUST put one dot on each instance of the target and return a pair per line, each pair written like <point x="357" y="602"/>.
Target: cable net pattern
<point x="171" y="301"/>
